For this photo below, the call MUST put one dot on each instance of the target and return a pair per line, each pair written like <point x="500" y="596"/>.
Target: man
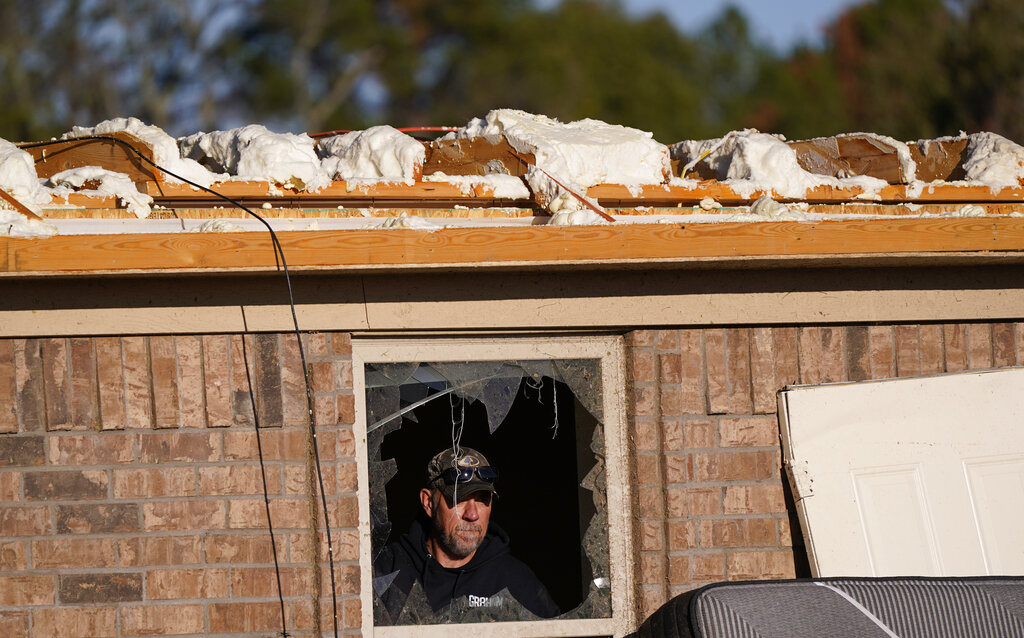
<point x="454" y="552"/>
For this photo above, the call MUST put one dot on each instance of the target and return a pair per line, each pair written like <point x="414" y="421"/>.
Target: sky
<point x="781" y="23"/>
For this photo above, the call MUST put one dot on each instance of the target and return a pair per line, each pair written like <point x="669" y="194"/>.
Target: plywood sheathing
<point x="476" y="156"/>
<point x="865" y="154"/>
<point x="113" y="156"/>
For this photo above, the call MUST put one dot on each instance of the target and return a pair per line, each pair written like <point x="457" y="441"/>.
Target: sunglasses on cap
<point x="455" y="475"/>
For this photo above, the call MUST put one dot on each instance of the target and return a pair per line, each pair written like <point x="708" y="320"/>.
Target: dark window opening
<point x="539" y="423"/>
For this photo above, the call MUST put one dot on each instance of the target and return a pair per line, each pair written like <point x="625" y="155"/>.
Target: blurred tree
<point x="907" y="68"/>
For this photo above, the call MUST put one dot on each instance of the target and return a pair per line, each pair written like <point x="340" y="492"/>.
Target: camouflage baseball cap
<point x="461" y="474"/>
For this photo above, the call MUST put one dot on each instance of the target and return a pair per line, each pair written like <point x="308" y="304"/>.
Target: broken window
<point x="541" y="422"/>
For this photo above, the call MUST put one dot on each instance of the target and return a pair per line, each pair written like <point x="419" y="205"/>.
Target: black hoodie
<point x="480" y="582"/>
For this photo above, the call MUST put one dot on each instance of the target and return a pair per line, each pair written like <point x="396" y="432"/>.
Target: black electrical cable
<point x="279" y="252"/>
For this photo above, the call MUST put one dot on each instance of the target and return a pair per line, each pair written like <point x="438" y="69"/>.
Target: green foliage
<point x="907" y="68"/>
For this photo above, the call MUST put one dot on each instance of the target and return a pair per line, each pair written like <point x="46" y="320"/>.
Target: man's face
<point x="459" y="530"/>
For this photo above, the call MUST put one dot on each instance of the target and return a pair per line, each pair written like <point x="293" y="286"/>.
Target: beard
<point x="461" y="541"/>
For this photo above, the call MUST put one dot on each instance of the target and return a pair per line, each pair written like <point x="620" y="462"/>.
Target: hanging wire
<point x="278" y="254"/>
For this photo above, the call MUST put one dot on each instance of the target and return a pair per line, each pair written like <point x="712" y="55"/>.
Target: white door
<point x="918" y="476"/>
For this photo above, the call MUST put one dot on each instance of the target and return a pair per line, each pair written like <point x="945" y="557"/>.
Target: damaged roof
<point x="511" y="189"/>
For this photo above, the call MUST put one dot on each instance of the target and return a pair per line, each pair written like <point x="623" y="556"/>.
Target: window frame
<point x="610" y="351"/>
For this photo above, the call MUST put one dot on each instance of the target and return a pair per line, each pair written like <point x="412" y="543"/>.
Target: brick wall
<point x="711" y="500"/>
<point x="131" y="498"/>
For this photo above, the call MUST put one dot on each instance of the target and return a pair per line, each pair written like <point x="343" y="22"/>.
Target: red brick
<point x="833" y="367"/>
<point x="108" y="448"/>
<point x="191" y="408"/>
<point x="349" y="544"/>
<point x="100" y="588"/>
<point x="733" y="466"/>
<point x="883" y="352"/>
<point x="243" y="376"/>
<point x="217" y="380"/>
<point x="28" y="377"/>
<point x="353" y="618"/>
<point x="21" y="451"/>
<point x="857" y="346"/>
<point x="809" y="344"/>
<point x="261" y="582"/>
<point x="717" y="375"/>
<point x="762" y="370"/>
<point x="179" y="584"/>
<point x="642" y="365"/>
<point x="54" y="355"/>
<point x="15" y="624"/>
<point x="754" y="499"/>
<point x="700" y="433"/>
<point x="138" y="398"/>
<point x="159" y="550"/>
<point x="908" y="353"/>
<point x="785" y="347"/>
<point x="708" y="567"/>
<point x="346" y="444"/>
<point x="238" y="548"/>
<point x="182" y="515"/>
<point x="192" y="447"/>
<point x="1003" y="347"/>
<point x="677" y="468"/>
<point x="737" y="356"/>
<point x="652" y="568"/>
<point x="25" y="590"/>
<point x="8" y="388"/>
<point x="1018" y="337"/>
<point x="666" y="340"/>
<point x="932" y="357"/>
<point x="110" y="378"/>
<point x="74" y="622"/>
<point x="97" y="519"/>
<point x="698" y="501"/>
<point x="785" y="533"/>
<point x="774" y="565"/>
<point x="649" y="502"/>
<point x="12" y="557"/>
<point x="671" y="400"/>
<point x="746" y="532"/>
<point x="341" y="342"/>
<point x="251" y="513"/>
<point x="278" y="445"/>
<point x="347" y="478"/>
<point x="150" y="620"/>
<point x="73" y="553"/>
<point x="24" y="521"/>
<point x="645" y="435"/>
<point x="237" y="479"/>
<point x="244" y="617"/>
<point x="640" y="338"/>
<point x="154" y="482"/>
<point x="955" y="341"/>
<point x="672" y="437"/>
<point x="678" y="569"/>
<point x="84" y="396"/>
<point x="294" y="409"/>
<point x="163" y="362"/>
<point x="979" y="345"/>
<point x="10" y="484"/>
<point x="343" y="375"/>
<point x="648" y="470"/>
<point x="346" y="408"/>
<point x="681" y="535"/>
<point x="64" y="485"/>
<point x="321" y="376"/>
<point x="757" y="431"/>
<point x="349" y="579"/>
<point x="692" y="372"/>
<point x="645" y="400"/>
<point x="317" y="344"/>
<point x="325" y="409"/>
<point x="651" y="535"/>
